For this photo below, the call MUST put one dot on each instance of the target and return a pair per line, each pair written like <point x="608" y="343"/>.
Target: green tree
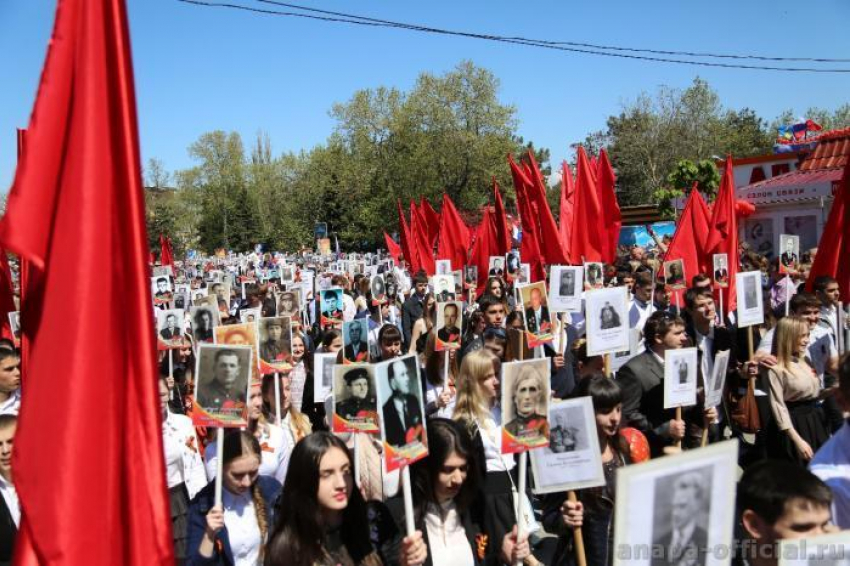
<point x="682" y="178"/>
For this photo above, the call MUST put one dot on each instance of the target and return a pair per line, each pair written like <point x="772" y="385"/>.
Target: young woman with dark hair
<point x="424" y="325"/>
<point x="321" y="519"/>
<point x="234" y="533"/>
<point x="439" y="398"/>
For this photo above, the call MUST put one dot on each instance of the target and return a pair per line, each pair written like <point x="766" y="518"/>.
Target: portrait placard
<point x="607" y="320"/>
<point x="524" y="276"/>
<point x="250" y="315"/>
<point x="402" y="412"/>
<point x="331" y="307"/>
<point x="221" y="291"/>
<point x="162" y="271"/>
<point x="535" y="310"/>
<point x="323" y="376"/>
<point x="15" y="324"/>
<point x="275" y="345"/>
<point x="720" y="264"/>
<point x="444" y="287"/>
<point x="573" y="459"/>
<point x="691" y="493"/>
<point x="287" y="274"/>
<point x="789" y="259"/>
<point x="680" y="378"/>
<point x="566" y="284"/>
<point x="717" y="379"/>
<point x="169" y="329"/>
<point x="221" y="386"/>
<point x="619" y="359"/>
<point x="512" y="264"/>
<point x="289" y="302"/>
<point x="470" y="277"/>
<point x="496" y="266"/>
<point x="355" y="341"/>
<point x="594" y="275"/>
<point x="162" y="290"/>
<point x="458" y="275"/>
<point x="525" y="405"/>
<point x="443" y="266"/>
<point x="203" y="319"/>
<point x="355" y="402"/>
<point x="748" y="293"/>
<point x="449" y="326"/>
<point x="378" y="289"/>
<point x="674" y="274"/>
<point x="825" y="550"/>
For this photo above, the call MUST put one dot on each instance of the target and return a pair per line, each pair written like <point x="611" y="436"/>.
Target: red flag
<point x="392" y="248"/>
<point x="688" y="242"/>
<point x="93" y="489"/>
<point x="432" y="220"/>
<point x="722" y="235"/>
<point x="7" y="296"/>
<point x="420" y="241"/>
<point x="504" y="241"/>
<point x="549" y="236"/>
<point x="25" y="280"/>
<point x="485" y="246"/>
<point x="529" y="245"/>
<point x="166" y="256"/>
<point x="834" y="246"/>
<point x="586" y="243"/>
<point x="454" y="235"/>
<point x="567" y="208"/>
<point x="606" y="181"/>
<point x="405" y="237"/>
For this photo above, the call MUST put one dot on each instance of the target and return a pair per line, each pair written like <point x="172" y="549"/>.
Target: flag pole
<point x="521" y="527"/>
<point x="277" y="398"/>
<point x="219" y="464"/>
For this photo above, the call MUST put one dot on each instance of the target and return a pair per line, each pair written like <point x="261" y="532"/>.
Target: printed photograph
<point x="449" y="326"/>
<point x="221" y="386"/>
<point x="674" y="274"/>
<point x="594" y="275"/>
<point x="721" y="269"/>
<point x="275" y="344"/>
<point x="169" y="328"/>
<point x="402" y="412"/>
<point x="355" y="339"/>
<point x="566" y="285"/>
<point x="790" y="256"/>
<point x="525" y="405"/>
<point x="355" y="402"/>
<point x="203" y="320"/>
<point x="535" y="309"/>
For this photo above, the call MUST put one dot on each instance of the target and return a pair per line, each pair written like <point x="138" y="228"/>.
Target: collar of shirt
<point x="657" y="357"/>
<point x="13" y="401"/>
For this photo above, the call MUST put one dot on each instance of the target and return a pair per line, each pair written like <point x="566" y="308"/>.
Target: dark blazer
<point x="531" y="320"/>
<point x="694" y="552"/>
<point x="198" y="509"/>
<point x="169" y="334"/>
<point x="642" y="382"/>
<point x="351" y="354"/>
<point x="396" y="431"/>
<point x="445" y="332"/>
<point x="411" y="311"/>
<point x="8" y="532"/>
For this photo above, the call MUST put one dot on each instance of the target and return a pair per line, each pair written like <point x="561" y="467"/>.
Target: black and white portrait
<point x="449" y="316"/>
<point x="203" y="320"/>
<point x="720" y="263"/>
<point x="680" y="519"/>
<point x="355" y="339"/>
<point x="566" y="432"/>
<point x="222" y="383"/>
<point x="674" y="273"/>
<point x="379" y="292"/>
<point x="250" y="315"/>
<point x="323" y="371"/>
<point x="749" y="297"/>
<point x="443" y="266"/>
<point x="594" y="275"/>
<point x="607" y="330"/>
<point x="789" y="258"/>
<point x="680" y="377"/>
<point x="162" y="289"/>
<point x="275" y="344"/>
<point x="355" y="401"/>
<point x="566" y="285"/>
<point x="402" y="412"/>
<point x="470" y="276"/>
<point x="512" y="262"/>
<point x="444" y="287"/>
<point x="497" y="266"/>
<point x="169" y="327"/>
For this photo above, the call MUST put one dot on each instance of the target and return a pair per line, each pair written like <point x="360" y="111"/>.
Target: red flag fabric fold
<point x="7" y="296"/>
<point x="405" y="236"/>
<point x="504" y="240"/>
<point x="606" y="182"/>
<point x="530" y="242"/>
<point x="432" y="220"/>
<point x="586" y="244"/>
<point x="93" y="489"/>
<point x="392" y="248"/>
<point x="833" y="257"/>
<point x="454" y="235"/>
<point x="420" y="241"/>
<point x="688" y="242"/>
<point x="166" y="255"/>
<point x="485" y="246"/>
<point x="549" y="237"/>
<point x="566" y="212"/>
<point x="722" y="237"/>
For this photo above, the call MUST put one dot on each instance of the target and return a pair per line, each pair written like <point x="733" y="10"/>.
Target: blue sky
<point x="200" y="69"/>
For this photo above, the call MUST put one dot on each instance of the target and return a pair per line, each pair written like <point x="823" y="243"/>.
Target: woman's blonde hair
<point x="471" y="405"/>
<point x="789" y="330"/>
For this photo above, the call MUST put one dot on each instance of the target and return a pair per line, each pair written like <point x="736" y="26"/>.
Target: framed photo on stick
<point x="203" y="319"/>
<point x="221" y="386"/>
<point x="674" y="509"/>
<point x="402" y="415"/>
<point x="355" y="340"/>
<point x="355" y="403"/>
<point x="162" y="291"/>
<point x="680" y="378"/>
<point x="449" y="326"/>
<point x="749" y="297"/>
<point x="566" y="284"/>
<point x="444" y="287"/>
<point x="525" y="405"/>
<point x="497" y="266"/>
<point x="594" y="275"/>
<point x="573" y="459"/>
<point x="717" y="380"/>
<point x="323" y="376"/>
<point x="331" y="308"/>
<point x="535" y="309"/>
<point x="789" y="259"/>
<point x="443" y="266"/>
<point x="607" y="320"/>
<point x="169" y="329"/>
<point x="720" y="263"/>
<point x="275" y="345"/>
<point x="674" y="274"/>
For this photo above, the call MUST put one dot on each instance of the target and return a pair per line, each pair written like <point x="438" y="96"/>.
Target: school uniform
<point x="10" y="519"/>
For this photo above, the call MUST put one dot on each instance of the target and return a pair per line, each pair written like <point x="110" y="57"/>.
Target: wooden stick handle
<point x="678" y="418"/>
<point x="581" y="559"/>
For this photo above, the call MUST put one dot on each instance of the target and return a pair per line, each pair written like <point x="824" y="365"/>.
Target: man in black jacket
<point x="411" y="311"/>
<point x="10" y="512"/>
<point x="401" y="413"/>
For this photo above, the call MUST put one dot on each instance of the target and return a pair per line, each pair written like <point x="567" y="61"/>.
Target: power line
<point x="337" y="17"/>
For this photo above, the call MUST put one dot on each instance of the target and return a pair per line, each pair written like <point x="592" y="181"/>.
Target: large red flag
<point x="7" y="296"/>
<point x="530" y="243"/>
<point x="550" y="238"/>
<point x="504" y="241"/>
<point x="606" y="182"/>
<point x="420" y="241"/>
<point x="688" y="242"/>
<point x="392" y="248"/>
<point x="833" y="257"/>
<point x="454" y="235"/>
<point x="485" y="246"/>
<point x="567" y="208"/>
<point x="432" y="220"/>
<point x="405" y="236"/>
<point x="722" y="235"/>
<point x="166" y="255"/>
<point x="92" y="488"/>
<point x="586" y="243"/>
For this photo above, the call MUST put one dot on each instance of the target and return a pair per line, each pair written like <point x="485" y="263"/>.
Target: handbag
<point x="743" y="409"/>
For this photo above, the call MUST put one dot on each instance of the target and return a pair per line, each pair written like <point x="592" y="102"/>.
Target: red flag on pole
<point x="722" y="235"/>
<point x="586" y="244"/>
<point x="688" y="242"/>
<point x="504" y="241"/>
<point x="606" y="182"/>
<point x="454" y="235"/>
<point x="392" y="248"/>
<point x="567" y="208"/>
<point x="7" y="295"/>
<point x="93" y="489"/>
<point x="432" y="220"/>
<point x="530" y="243"/>
<point x="405" y="237"/>
<point x="485" y="246"/>
<point x="166" y="256"/>
<point x="833" y="257"/>
<point x="549" y="236"/>
<point x="420" y="241"/>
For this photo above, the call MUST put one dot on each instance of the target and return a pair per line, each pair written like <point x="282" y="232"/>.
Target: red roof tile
<point x="800" y="177"/>
<point x="831" y="151"/>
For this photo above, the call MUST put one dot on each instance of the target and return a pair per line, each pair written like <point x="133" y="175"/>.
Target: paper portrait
<point x="470" y="277"/>
<point x="275" y="345"/>
<point x="203" y="320"/>
<point x="287" y="274"/>
<point x="402" y="412"/>
<point x="200" y="298"/>
<point x="680" y="378"/>
<point x="250" y="315"/>
<point x="748" y="291"/>
<point x="331" y="307"/>
<point x="497" y="266"/>
<point x="289" y="303"/>
<point x="619" y="359"/>
<point x="443" y="266"/>
<point x="717" y="380"/>
<point x="444" y="287"/>
<point x="824" y="550"/>
<point x="162" y="271"/>
<point x="355" y="402"/>
<point x="535" y="310"/>
<point x="594" y="275"/>
<point x="379" y="290"/>
<point x="162" y="290"/>
<point x="512" y="264"/>
<point x="458" y="275"/>
<point x="720" y="264"/>
<point x="221" y="386"/>
<point x="524" y="276"/>
<point x="355" y="341"/>
<point x="525" y="405"/>
<point x="449" y="326"/>
<point x="323" y="376"/>
<point x="573" y="459"/>
<point x="238" y="335"/>
<point x="607" y="320"/>
<point x="221" y="292"/>
<point x="671" y="511"/>
<point x="674" y="274"/>
<point x="169" y="329"/>
<point x="15" y="324"/>
<point x="789" y="258"/>
<point x="566" y="284"/>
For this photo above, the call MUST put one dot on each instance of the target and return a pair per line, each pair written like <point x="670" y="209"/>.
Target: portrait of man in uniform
<point x="225" y="386"/>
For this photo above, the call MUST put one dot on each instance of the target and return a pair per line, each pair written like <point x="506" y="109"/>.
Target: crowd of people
<point x="295" y="493"/>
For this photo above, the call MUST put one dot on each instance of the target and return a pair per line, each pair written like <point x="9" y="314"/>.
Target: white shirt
<point x="491" y="438"/>
<point x="432" y="393"/>
<point x="832" y="464"/>
<point x="275" y="447"/>
<point x="447" y="542"/>
<point x="639" y="311"/>
<point x="242" y="528"/>
<point x="183" y="462"/>
<point x="12" y="405"/>
<point x="10" y="496"/>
